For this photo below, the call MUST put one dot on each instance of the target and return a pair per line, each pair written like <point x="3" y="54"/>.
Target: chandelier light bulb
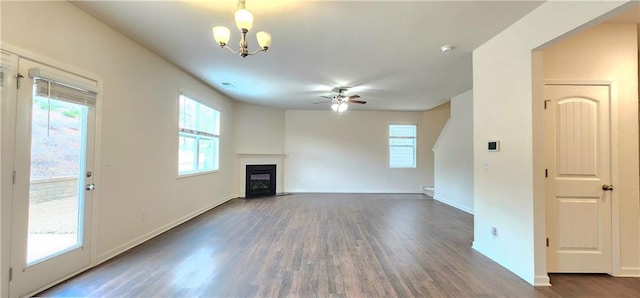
<point x="221" y="34"/>
<point x="335" y="107"/>
<point x="244" y="19"/>
<point x="264" y="39"/>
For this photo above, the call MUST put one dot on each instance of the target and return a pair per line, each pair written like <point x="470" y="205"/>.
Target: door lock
<point x="90" y="186"/>
<point x="606" y="187"/>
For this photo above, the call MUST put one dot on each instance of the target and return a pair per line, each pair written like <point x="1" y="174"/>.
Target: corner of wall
<point x="539" y="199"/>
<point x="453" y="156"/>
<point x="432" y="122"/>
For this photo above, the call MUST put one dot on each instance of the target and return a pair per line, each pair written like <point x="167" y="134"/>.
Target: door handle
<point x="606" y="187"/>
<point x="90" y="186"/>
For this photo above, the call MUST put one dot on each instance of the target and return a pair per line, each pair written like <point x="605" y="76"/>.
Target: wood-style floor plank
<point x="323" y="245"/>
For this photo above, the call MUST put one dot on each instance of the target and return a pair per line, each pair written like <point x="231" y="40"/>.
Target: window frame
<point x="415" y="145"/>
<point x="198" y="135"/>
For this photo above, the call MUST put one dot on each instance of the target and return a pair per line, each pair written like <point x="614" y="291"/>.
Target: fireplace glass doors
<point x="260" y="181"/>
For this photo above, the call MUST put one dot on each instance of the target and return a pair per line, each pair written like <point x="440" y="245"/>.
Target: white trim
<point x="628" y="272"/>
<point x="197" y="135"/>
<point x="415" y="146"/>
<point x="579" y="82"/>
<point x="260" y="155"/>
<point x="443" y="131"/>
<point x="453" y="204"/>
<point x="64" y="77"/>
<point x="428" y="190"/>
<point x="541" y="281"/>
<point x="135" y="242"/>
<point x="7" y="137"/>
<point x="486" y="251"/>
<point x="52" y="63"/>
<point x="375" y="191"/>
<point x="615" y="179"/>
<point x="192" y="174"/>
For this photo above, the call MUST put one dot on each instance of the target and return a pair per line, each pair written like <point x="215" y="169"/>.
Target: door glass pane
<point x="56" y="191"/>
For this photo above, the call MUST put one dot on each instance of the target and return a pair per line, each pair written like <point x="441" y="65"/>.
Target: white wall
<point x="506" y="195"/>
<point x="348" y="154"/>
<point x="453" y="157"/>
<point x="609" y="52"/>
<point x="259" y="139"/>
<point x="258" y="130"/>
<point x="137" y="117"/>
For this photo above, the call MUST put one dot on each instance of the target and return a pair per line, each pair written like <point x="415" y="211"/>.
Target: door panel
<point x="576" y="131"/>
<point x="574" y="233"/>
<point x="51" y="208"/>
<point x="578" y="209"/>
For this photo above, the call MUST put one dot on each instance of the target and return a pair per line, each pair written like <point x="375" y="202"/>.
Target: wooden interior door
<point x="578" y="186"/>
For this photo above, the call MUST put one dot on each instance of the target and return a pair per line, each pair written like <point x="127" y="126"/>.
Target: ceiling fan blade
<point x="324" y="96"/>
<point x="326" y="101"/>
<point x="356" y="101"/>
<point x="353" y="97"/>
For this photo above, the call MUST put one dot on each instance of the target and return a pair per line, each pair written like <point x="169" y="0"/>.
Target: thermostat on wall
<point x="493" y="146"/>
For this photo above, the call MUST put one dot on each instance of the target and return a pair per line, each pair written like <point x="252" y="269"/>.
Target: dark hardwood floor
<point x="323" y="245"/>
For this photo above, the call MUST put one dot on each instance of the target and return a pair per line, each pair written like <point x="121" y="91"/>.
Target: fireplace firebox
<point x="260" y="181"/>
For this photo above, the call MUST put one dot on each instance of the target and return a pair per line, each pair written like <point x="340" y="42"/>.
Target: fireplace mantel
<point x="243" y="155"/>
<point x="260" y="159"/>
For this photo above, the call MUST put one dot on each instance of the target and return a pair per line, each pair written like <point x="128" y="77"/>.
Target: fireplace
<point x="261" y="181"/>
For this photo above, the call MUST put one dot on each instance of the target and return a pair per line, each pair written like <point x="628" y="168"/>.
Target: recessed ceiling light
<point x="447" y="48"/>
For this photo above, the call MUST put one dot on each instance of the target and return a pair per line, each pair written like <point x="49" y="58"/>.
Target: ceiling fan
<point x="339" y="102"/>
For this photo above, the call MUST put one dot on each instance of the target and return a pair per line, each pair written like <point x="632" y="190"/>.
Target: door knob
<point x="90" y="186"/>
<point x="607" y="187"/>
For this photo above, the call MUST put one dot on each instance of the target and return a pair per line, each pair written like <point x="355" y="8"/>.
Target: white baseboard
<point x="379" y="191"/>
<point x="428" y="190"/>
<point x="537" y="280"/>
<point x="137" y="241"/>
<point x="541" y="281"/>
<point x="629" y="272"/>
<point x="454" y="204"/>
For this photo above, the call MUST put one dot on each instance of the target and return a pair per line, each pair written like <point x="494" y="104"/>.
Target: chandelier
<point x="244" y="22"/>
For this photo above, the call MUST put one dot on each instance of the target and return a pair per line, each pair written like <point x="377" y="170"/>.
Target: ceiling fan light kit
<point x="339" y="107"/>
<point x="340" y="102"/>
<point x="244" y="22"/>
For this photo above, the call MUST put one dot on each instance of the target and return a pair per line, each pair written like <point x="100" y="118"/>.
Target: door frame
<point x="7" y="126"/>
<point x="613" y="136"/>
<point x="8" y="144"/>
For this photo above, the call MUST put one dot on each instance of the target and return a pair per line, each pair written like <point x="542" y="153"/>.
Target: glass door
<point x="54" y="179"/>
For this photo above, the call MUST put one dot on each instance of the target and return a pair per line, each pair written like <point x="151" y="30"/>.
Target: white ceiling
<point x="389" y="51"/>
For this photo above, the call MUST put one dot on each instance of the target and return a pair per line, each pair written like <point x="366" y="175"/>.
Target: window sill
<point x="187" y="175"/>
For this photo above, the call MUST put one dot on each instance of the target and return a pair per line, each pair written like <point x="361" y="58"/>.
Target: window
<point x="199" y="138"/>
<point x="402" y="145"/>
